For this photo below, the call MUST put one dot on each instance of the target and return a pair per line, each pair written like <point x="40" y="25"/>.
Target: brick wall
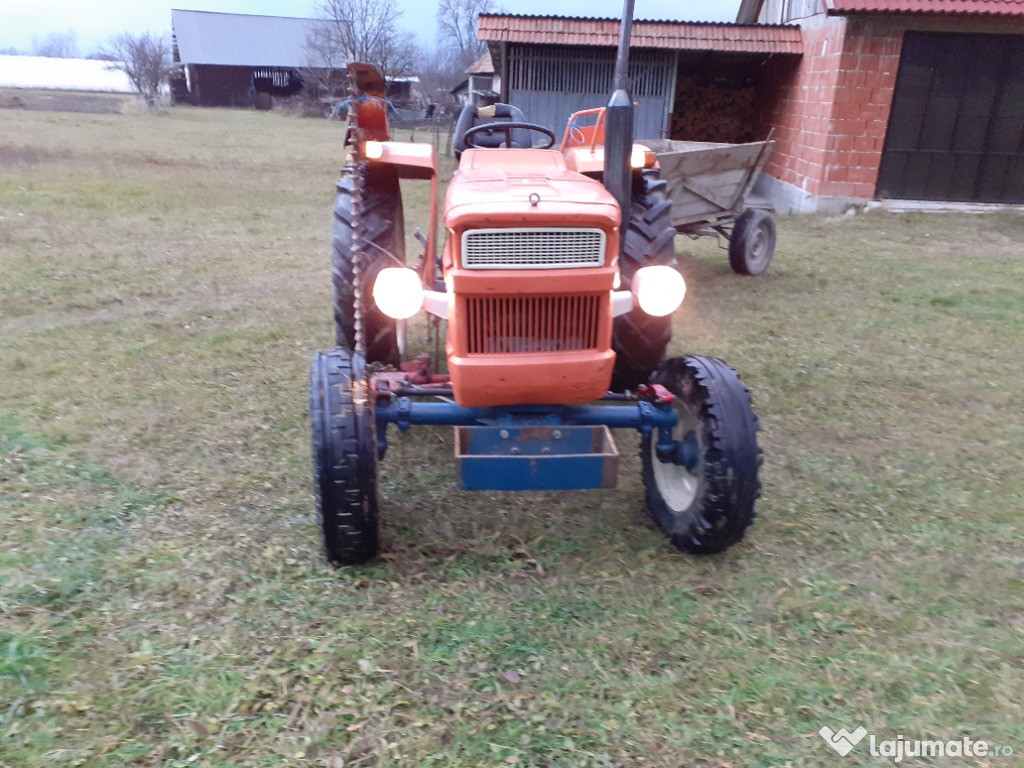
<point x="832" y="109"/>
<point x="860" y="115"/>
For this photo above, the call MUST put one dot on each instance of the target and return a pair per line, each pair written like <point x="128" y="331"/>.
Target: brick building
<point x="909" y="99"/>
<point x="866" y="99"/>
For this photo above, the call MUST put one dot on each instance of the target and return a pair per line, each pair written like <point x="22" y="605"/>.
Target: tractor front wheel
<point x="344" y="457"/>
<point x="705" y="502"/>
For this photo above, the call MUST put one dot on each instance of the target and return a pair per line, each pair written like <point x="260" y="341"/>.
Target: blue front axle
<point x="642" y="415"/>
<point x="533" y="447"/>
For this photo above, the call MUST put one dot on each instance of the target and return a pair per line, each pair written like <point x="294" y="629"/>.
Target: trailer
<point x="710" y="186"/>
<point x="711" y="196"/>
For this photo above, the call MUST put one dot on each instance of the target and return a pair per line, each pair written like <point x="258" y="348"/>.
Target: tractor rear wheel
<point x="368" y="226"/>
<point x="752" y="243"/>
<point x="638" y="339"/>
<point x="344" y="457"/>
<point x="706" y="503"/>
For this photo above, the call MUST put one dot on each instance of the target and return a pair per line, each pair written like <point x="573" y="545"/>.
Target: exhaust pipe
<point x="618" y="132"/>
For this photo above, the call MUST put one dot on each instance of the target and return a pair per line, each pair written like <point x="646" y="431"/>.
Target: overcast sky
<point x="94" y="22"/>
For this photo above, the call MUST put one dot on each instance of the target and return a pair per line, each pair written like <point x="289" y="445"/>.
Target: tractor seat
<point x="495" y="113"/>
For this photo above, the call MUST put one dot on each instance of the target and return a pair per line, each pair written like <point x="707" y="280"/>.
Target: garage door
<point x="956" y="131"/>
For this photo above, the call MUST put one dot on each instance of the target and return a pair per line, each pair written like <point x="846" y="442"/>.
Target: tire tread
<point x="344" y="464"/>
<point x="638" y="339"/>
<point x="720" y="516"/>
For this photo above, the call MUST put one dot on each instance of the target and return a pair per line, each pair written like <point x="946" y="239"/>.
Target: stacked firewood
<point x="722" y="110"/>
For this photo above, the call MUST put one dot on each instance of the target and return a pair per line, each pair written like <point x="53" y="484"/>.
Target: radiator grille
<point x="498" y="325"/>
<point x="532" y="248"/>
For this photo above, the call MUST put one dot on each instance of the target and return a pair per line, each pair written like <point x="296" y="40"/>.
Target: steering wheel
<point x="508" y="127"/>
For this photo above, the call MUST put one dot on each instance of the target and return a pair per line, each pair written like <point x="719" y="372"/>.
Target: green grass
<point x="164" y="282"/>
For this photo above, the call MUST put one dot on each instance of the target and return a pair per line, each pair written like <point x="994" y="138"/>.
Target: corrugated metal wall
<point x="548" y="83"/>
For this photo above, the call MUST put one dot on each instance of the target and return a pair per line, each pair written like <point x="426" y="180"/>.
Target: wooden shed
<point x="551" y="66"/>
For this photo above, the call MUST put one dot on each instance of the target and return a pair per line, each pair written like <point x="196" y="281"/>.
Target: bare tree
<point x="58" y="45"/>
<point x="146" y="59"/>
<point x="324" y="58"/>
<point x="439" y="71"/>
<point x="362" y="30"/>
<point x="457" y="22"/>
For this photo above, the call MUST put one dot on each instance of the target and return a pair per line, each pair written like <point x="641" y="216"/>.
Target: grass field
<point x="164" y="282"/>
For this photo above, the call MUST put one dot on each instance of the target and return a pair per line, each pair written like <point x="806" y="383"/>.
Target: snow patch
<point x="62" y="74"/>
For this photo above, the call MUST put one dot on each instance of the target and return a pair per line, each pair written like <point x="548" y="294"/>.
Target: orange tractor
<point x="557" y="279"/>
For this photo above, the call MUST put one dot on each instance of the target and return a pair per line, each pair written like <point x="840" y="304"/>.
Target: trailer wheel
<point x="344" y="457"/>
<point x="638" y="339"/>
<point x="752" y="244"/>
<point x="368" y="221"/>
<point x="706" y="504"/>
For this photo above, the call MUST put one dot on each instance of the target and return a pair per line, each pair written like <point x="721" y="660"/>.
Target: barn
<point x="230" y="59"/>
<point x="866" y="99"/>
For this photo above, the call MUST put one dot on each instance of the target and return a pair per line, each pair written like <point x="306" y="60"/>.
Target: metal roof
<point x="989" y="7"/>
<point x="235" y="39"/>
<point x="672" y="35"/>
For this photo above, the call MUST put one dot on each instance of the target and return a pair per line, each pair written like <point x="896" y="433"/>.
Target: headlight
<point x="398" y="293"/>
<point x="658" y="290"/>
<point x="641" y="157"/>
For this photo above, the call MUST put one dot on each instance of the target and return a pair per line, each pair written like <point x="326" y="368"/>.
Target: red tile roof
<point x="674" y="35"/>
<point x="990" y="7"/>
<point x="481" y="66"/>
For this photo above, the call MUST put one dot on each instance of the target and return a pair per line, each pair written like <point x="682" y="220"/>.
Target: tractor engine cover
<point x="530" y="260"/>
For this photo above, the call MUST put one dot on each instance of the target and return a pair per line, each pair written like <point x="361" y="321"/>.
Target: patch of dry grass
<point x="67" y="101"/>
<point x="164" y="284"/>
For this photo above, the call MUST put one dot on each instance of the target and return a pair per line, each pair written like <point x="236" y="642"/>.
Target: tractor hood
<point x="525" y="187"/>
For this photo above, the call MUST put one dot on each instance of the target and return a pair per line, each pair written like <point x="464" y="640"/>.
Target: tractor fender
<point x="590" y="161"/>
<point x="412" y="160"/>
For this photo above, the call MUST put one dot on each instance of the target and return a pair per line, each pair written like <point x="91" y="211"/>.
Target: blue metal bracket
<point x="524" y="458"/>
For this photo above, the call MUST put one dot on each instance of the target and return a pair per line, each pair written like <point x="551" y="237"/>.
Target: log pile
<point x="719" y="110"/>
